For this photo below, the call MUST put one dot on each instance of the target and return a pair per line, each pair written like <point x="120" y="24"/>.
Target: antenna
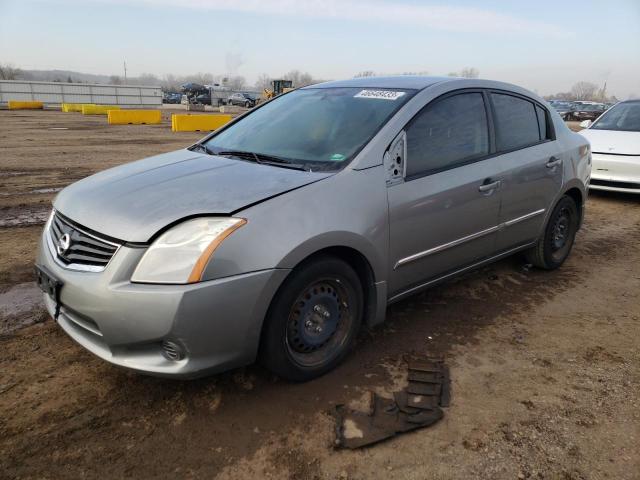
<point x="125" y="72"/>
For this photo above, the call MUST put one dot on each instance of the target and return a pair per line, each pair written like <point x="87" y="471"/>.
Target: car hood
<point x="132" y="202"/>
<point x="612" y="141"/>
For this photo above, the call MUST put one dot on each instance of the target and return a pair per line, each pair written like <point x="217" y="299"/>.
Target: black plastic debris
<point x="417" y="406"/>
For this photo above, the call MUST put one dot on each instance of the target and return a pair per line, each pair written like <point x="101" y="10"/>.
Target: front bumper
<point x="217" y="322"/>
<point x="618" y="173"/>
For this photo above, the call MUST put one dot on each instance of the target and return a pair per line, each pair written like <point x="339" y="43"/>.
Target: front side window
<point x="322" y="128"/>
<point x="516" y="122"/>
<point x="623" y="117"/>
<point x="447" y="133"/>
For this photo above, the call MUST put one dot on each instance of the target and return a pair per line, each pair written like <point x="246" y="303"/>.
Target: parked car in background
<point x="615" y="143"/>
<point x="203" y="98"/>
<point x="172" y="97"/>
<point x="564" y="109"/>
<point x="283" y="232"/>
<point x="243" y="99"/>
<point x="587" y="111"/>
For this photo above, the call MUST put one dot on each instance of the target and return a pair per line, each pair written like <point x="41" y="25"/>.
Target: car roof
<point x="398" y="81"/>
<point x="421" y="83"/>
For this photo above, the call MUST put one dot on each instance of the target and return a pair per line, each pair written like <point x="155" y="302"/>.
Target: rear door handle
<point x="487" y="187"/>
<point x="554" y="162"/>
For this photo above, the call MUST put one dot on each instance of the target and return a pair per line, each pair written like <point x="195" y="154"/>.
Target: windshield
<point x="561" y="105"/>
<point x="623" y="117"/>
<point x="323" y="128"/>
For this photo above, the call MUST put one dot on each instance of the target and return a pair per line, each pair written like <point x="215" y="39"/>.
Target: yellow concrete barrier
<point x="17" y="105"/>
<point x="98" y="109"/>
<point x="134" y="117"/>
<point x="197" y="123"/>
<point x="74" y="107"/>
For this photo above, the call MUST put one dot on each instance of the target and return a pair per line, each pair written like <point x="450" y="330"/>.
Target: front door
<point x="444" y="208"/>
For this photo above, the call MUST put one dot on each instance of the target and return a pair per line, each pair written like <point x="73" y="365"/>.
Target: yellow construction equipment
<point x="279" y="86"/>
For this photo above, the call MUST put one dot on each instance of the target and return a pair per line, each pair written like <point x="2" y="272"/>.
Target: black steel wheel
<point x="555" y="245"/>
<point x="313" y="319"/>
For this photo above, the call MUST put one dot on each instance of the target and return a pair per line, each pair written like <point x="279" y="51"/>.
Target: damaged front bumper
<point x="216" y="324"/>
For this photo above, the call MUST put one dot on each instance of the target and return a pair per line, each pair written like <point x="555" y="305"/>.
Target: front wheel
<point x="555" y="245"/>
<point x="313" y="320"/>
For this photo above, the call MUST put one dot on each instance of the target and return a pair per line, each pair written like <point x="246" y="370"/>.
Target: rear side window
<point x="516" y="122"/>
<point x="449" y="132"/>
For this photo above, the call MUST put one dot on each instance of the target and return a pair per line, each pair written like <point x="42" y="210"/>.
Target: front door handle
<point x="554" y="162"/>
<point x="487" y="187"/>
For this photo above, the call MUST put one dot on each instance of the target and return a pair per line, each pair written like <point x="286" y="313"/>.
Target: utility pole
<point x="125" y="72"/>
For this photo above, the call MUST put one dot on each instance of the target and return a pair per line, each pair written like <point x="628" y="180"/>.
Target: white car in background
<point x="615" y="145"/>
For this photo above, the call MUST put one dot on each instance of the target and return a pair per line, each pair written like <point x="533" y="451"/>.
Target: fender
<point x="375" y="310"/>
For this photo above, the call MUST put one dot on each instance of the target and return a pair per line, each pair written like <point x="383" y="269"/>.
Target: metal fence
<point x="57" y="92"/>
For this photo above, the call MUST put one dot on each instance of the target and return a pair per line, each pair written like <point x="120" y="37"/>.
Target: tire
<point x="554" y="246"/>
<point x="326" y="294"/>
<point x="247" y="104"/>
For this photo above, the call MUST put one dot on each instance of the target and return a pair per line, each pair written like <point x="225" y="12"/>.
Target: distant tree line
<point x="9" y="72"/>
<point x="467" y="72"/>
<point x="172" y="82"/>
<point x="587" y="91"/>
<point x="579" y="91"/>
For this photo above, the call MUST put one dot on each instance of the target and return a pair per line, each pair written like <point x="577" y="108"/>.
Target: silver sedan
<point x="279" y="235"/>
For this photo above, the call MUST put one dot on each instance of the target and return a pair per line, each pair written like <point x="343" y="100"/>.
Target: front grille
<point x="76" y="249"/>
<point x="609" y="183"/>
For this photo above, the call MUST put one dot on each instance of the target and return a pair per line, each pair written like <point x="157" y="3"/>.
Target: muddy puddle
<point x="35" y="191"/>
<point x="24" y="216"/>
<point x="20" y="306"/>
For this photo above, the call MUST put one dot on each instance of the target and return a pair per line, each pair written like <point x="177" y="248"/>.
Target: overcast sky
<point x="543" y="45"/>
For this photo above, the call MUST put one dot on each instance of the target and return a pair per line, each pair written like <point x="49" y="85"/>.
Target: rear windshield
<point x="623" y="116"/>
<point x="323" y="128"/>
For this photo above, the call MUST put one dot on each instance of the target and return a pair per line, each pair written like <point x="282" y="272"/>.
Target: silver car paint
<point x="441" y="223"/>
<point x="137" y="200"/>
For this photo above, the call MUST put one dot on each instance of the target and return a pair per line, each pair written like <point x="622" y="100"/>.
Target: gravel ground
<point x="545" y="365"/>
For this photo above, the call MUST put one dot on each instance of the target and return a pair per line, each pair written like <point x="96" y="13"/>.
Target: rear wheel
<point x="555" y="245"/>
<point x="313" y="320"/>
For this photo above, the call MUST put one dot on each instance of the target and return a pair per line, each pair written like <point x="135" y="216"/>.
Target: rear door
<point x="444" y="195"/>
<point x="531" y="162"/>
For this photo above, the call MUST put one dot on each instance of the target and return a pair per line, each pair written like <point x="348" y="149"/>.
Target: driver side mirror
<point x="586" y="124"/>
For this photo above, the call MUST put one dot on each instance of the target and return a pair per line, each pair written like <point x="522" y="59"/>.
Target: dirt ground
<point x="545" y="366"/>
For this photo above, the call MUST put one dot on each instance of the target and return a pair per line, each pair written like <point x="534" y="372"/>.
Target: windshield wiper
<point x="262" y="159"/>
<point x="203" y="147"/>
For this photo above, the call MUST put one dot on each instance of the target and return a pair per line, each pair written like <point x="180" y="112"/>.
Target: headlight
<point x="181" y="253"/>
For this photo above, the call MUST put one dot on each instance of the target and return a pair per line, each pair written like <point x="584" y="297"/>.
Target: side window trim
<point x="469" y="161"/>
<point x="488" y="106"/>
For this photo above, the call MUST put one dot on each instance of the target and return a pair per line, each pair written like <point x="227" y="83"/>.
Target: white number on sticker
<point x="379" y="94"/>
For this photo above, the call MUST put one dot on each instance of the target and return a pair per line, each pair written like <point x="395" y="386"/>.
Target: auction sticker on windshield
<point x="379" y="94"/>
